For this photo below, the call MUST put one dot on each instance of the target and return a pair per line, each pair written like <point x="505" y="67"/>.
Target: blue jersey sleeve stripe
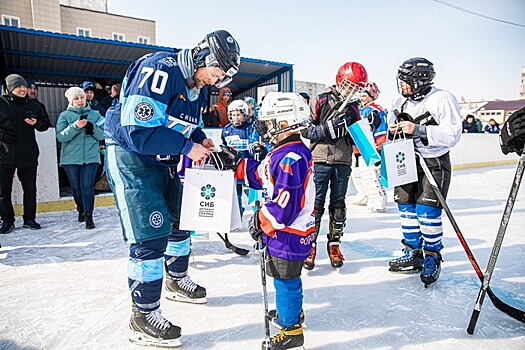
<point x="143" y="111"/>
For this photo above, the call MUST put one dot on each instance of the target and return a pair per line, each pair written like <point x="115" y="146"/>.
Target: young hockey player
<point x="239" y="134"/>
<point x="285" y="222"/>
<point x="162" y="99"/>
<point x="331" y="148"/>
<point x="432" y="118"/>
<point x="366" y="178"/>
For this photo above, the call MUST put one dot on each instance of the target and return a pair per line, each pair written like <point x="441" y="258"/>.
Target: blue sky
<point x="474" y="57"/>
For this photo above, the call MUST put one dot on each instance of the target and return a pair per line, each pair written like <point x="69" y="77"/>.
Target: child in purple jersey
<point x="285" y="223"/>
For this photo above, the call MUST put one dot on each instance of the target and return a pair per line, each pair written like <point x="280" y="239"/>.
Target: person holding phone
<point x="79" y="129"/>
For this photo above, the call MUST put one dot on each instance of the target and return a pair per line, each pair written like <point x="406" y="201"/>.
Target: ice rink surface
<point x="64" y="287"/>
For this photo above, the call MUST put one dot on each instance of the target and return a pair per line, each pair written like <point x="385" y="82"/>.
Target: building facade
<point x="312" y="89"/>
<point x="88" y="18"/>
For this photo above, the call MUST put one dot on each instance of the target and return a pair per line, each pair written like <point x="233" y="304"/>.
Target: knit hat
<point x="14" y="80"/>
<point x="31" y="84"/>
<point x="73" y="92"/>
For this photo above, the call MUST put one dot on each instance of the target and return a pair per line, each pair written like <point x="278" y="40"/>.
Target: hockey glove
<point x="227" y="159"/>
<point x="335" y="129"/>
<point x="512" y="135"/>
<point x="258" y="151"/>
<point x="255" y="226"/>
<point x="89" y="128"/>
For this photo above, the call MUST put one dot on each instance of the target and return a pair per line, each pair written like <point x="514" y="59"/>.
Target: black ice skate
<point x="335" y="255"/>
<point x="309" y="262"/>
<point x="185" y="290"/>
<point x="152" y="329"/>
<point x="410" y="261"/>
<point x="288" y="338"/>
<point x="274" y="319"/>
<point x="431" y="268"/>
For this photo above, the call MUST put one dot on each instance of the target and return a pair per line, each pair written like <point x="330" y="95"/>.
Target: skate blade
<point x="404" y="270"/>
<point x="184" y="299"/>
<point x="143" y="340"/>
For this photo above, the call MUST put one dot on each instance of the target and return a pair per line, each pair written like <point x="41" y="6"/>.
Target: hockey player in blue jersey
<point x="239" y="134"/>
<point x="431" y="117"/>
<point x="285" y="222"/>
<point x="156" y="121"/>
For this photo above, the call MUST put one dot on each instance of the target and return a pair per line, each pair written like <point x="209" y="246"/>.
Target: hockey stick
<point x="230" y="246"/>
<point x="263" y="248"/>
<point x="497" y="245"/>
<point x="498" y="303"/>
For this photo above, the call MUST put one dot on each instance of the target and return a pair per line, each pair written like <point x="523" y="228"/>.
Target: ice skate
<point x="410" y="261"/>
<point x="288" y="338"/>
<point x="309" y="262"/>
<point x="152" y="329"/>
<point x="431" y="268"/>
<point x="274" y="319"/>
<point x="336" y="257"/>
<point x="185" y="290"/>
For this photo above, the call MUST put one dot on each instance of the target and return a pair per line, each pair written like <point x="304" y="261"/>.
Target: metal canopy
<point x="62" y="60"/>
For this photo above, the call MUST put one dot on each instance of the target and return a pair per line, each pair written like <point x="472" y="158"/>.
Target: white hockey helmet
<point x="240" y="106"/>
<point x="279" y="108"/>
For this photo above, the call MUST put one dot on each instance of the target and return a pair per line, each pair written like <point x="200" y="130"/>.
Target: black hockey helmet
<point x="219" y="49"/>
<point x="419" y="74"/>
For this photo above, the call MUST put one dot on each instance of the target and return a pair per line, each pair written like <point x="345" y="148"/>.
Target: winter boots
<point x="288" y="338"/>
<point x="7" y="226"/>
<point x="431" y="268"/>
<point x="185" y="290"/>
<point x="152" y="329"/>
<point x="410" y="261"/>
<point x="80" y="214"/>
<point x="31" y="224"/>
<point x="88" y="217"/>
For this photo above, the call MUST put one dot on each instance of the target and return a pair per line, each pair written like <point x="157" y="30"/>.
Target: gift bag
<point x="364" y="140"/>
<point x="398" y="163"/>
<point x="209" y="201"/>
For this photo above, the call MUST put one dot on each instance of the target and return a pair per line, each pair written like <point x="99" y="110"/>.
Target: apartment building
<point x="87" y="18"/>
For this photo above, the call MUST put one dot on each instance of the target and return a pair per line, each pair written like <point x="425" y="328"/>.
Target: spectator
<point x="492" y="127"/>
<point x="306" y="97"/>
<point x="239" y="134"/>
<point x="89" y="89"/>
<point x="100" y="89"/>
<point x="209" y="118"/>
<point x="19" y="117"/>
<point x="469" y="124"/>
<point x="107" y="101"/>
<point x="221" y="107"/>
<point x="79" y="129"/>
<point x="253" y="107"/>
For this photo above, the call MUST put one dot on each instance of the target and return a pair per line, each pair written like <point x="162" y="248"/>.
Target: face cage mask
<point x="418" y="90"/>
<point x="348" y="88"/>
<point x="269" y="134"/>
<point x="211" y="64"/>
<point x="238" y="124"/>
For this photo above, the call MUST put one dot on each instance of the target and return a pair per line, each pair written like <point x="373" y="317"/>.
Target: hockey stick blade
<point x="497" y="302"/>
<point x="230" y="246"/>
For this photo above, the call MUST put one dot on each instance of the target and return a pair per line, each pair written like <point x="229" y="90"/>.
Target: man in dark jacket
<point x="19" y="117"/>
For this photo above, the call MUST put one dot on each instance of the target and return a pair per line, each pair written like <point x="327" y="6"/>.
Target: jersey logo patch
<point x="144" y="111"/>
<point x="287" y="162"/>
<point x="156" y="219"/>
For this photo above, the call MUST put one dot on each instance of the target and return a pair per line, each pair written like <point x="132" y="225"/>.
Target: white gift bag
<point x="398" y="163"/>
<point x="209" y="201"/>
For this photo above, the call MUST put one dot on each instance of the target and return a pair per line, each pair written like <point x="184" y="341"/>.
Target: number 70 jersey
<point x="155" y="94"/>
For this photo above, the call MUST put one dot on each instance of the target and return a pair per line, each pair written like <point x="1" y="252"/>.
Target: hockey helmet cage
<point x="419" y="74"/>
<point x="280" y="107"/>
<point x="351" y="79"/>
<point x="241" y="106"/>
<point x="371" y="90"/>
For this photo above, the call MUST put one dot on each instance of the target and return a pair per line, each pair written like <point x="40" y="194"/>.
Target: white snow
<point x="64" y="287"/>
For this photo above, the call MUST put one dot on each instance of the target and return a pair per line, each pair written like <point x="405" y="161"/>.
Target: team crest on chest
<point x="144" y="111"/>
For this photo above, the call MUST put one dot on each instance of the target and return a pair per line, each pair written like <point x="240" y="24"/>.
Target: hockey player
<point x="431" y="116"/>
<point x="285" y="222"/>
<point x="366" y="178"/>
<point x="331" y="148"/>
<point x="157" y="120"/>
<point x="239" y="134"/>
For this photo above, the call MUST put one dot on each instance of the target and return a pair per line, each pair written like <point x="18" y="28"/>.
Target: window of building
<point x="143" y="40"/>
<point x="11" y="21"/>
<point x="118" y="36"/>
<point x="85" y="32"/>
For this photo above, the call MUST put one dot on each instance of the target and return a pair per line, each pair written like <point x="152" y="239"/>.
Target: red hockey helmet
<point x="351" y="78"/>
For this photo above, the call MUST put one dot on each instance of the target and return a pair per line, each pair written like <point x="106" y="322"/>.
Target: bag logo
<point x="207" y="192"/>
<point x="400" y="157"/>
<point x="156" y="219"/>
<point x="144" y="111"/>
